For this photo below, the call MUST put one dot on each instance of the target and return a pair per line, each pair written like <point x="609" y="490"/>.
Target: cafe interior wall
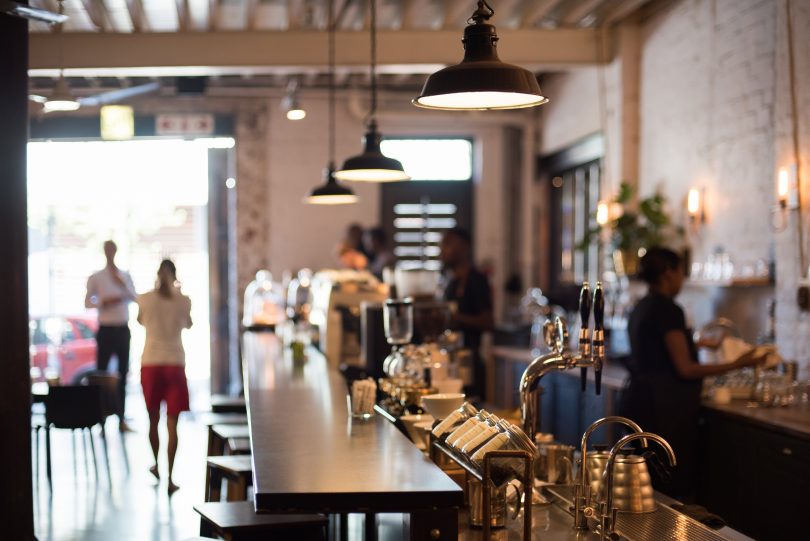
<point x="713" y="113"/>
<point x="306" y="236"/>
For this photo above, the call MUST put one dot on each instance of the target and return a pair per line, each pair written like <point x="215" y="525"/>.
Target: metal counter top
<point x="310" y="456"/>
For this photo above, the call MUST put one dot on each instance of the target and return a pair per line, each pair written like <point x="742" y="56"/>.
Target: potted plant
<point x="633" y="229"/>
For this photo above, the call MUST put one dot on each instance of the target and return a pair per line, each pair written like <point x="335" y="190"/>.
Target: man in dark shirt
<point x="469" y="289"/>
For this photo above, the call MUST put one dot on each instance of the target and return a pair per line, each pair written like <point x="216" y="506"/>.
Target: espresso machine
<point x="337" y="296"/>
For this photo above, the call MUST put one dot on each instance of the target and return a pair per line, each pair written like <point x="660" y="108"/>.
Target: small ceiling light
<point x="290" y="104"/>
<point x="331" y="192"/>
<point x="481" y="81"/>
<point x="372" y="165"/>
<point x="61" y="98"/>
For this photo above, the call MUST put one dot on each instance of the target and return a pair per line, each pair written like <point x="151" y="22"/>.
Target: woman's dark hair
<point x="165" y="289"/>
<point x="656" y="262"/>
<point x="461" y="234"/>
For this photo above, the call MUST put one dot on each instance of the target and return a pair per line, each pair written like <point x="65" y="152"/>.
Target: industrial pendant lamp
<point x="331" y="192"/>
<point x="372" y="165"/>
<point x="481" y="81"/>
<point x="61" y="98"/>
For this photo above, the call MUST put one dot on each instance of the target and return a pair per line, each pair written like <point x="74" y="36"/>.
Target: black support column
<point x="16" y="500"/>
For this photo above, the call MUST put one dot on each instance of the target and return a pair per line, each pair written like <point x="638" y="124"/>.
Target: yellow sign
<point x="117" y="122"/>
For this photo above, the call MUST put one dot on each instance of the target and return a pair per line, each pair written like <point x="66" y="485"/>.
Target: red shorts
<point x="165" y="384"/>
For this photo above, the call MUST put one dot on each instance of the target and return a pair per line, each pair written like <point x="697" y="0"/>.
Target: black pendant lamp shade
<point x="330" y="193"/>
<point x="481" y="81"/>
<point x="372" y="165"/>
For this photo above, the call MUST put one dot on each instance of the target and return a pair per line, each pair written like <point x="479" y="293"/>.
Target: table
<point x="309" y="456"/>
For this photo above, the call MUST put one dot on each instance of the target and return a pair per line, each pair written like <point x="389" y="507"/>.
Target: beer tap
<point x="591" y="352"/>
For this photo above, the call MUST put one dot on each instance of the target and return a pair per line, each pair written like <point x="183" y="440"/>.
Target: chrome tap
<point x="582" y="495"/>
<point x="591" y="353"/>
<point x="607" y="513"/>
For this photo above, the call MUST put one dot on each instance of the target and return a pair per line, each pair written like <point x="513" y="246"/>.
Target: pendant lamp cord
<point x="795" y="129"/>
<point x="482" y="13"/>
<point x="372" y="115"/>
<point x="59" y="28"/>
<point x="331" y="78"/>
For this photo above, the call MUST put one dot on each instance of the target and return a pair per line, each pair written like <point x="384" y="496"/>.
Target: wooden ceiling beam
<point x="137" y="15"/>
<point x="183" y="15"/>
<point x="98" y="14"/>
<point x="456" y="12"/>
<point x="535" y="10"/>
<point x="622" y="10"/>
<point x="241" y="51"/>
<point x="581" y="10"/>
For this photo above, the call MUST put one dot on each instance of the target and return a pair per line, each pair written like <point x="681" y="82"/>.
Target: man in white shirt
<point x="110" y="290"/>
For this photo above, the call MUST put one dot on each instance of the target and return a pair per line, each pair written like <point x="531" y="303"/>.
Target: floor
<point x="135" y="507"/>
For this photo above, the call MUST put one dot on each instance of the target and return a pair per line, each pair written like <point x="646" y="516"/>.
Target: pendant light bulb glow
<point x="290" y="104"/>
<point x="372" y="165"/>
<point x="61" y="99"/>
<point x="481" y="81"/>
<point x="330" y="193"/>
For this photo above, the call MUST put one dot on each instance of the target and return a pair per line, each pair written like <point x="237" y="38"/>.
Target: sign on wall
<point x="184" y="124"/>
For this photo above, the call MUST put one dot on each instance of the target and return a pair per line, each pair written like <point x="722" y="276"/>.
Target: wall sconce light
<point x="786" y="196"/>
<point x="602" y="213"/>
<point x="695" y="206"/>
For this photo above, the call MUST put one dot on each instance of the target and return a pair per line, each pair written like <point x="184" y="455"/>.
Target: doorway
<point x="148" y="195"/>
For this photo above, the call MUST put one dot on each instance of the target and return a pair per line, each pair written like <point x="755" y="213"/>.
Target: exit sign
<point x="184" y="124"/>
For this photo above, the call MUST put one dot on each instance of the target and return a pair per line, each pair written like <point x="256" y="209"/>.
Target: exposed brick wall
<point x="714" y="113"/>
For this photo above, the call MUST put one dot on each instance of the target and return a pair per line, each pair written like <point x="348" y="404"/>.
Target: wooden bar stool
<point x="238" y="521"/>
<point x="228" y="404"/>
<point x="237" y="470"/>
<point x="237" y="446"/>
<point x="220" y="436"/>
<point x="212" y="419"/>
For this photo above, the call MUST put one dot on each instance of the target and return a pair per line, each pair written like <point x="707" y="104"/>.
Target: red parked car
<point x="64" y="343"/>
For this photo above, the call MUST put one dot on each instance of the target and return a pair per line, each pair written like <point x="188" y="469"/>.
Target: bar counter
<point x="310" y="456"/>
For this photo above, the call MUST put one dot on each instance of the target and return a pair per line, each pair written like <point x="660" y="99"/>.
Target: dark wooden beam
<point x="16" y="498"/>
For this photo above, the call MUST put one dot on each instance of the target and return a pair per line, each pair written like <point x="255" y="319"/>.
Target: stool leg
<point x="215" y="486"/>
<point x="237" y="489"/>
<point x="83" y="439"/>
<point x="48" y="454"/>
<point x="73" y="446"/>
<point x="207" y="495"/>
<point x="93" y="450"/>
<point x="106" y="454"/>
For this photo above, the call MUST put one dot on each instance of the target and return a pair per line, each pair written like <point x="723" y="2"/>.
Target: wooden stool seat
<point x="238" y="521"/>
<point x="220" y="436"/>
<point x="228" y="404"/>
<point x="237" y="470"/>
<point x="237" y="446"/>
<point x="209" y="418"/>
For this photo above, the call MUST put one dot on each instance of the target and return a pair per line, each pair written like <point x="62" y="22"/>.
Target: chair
<point x="108" y="383"/>
<point x="75" y="407"/>
<point x="237" y="470"/>
<point x="238" y="521"/>
<point x="212" y="419"/>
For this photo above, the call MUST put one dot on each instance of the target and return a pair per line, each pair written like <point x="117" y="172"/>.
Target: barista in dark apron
<point x="663" y="392"/>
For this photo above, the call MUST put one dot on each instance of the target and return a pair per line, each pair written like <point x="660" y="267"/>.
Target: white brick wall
<point x="715" y="114"/>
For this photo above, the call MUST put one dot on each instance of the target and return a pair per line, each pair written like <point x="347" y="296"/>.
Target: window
<point x="432" y="159"/>
<point x="416" y="214"/>
<point x="84" y="331"/>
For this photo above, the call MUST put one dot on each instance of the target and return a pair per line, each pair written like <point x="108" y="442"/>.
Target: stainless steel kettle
<point x="632" y="486"/>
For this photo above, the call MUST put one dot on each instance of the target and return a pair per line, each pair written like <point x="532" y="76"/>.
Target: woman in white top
<point x="164" y="312"/>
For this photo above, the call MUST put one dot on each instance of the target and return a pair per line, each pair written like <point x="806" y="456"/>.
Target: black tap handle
<point x="585" y="305"/>
<point x="598" y="335"/>
<point x="583" y="378"/>
<point x="599" y="308"/>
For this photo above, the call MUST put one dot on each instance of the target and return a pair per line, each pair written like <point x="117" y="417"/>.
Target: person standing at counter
<point x="164" y="312"/>
<point x="468" y="288"/>
<point x="381" y="255"/>
<point x="664" y="387"/>
<point x="110" y="290"/>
